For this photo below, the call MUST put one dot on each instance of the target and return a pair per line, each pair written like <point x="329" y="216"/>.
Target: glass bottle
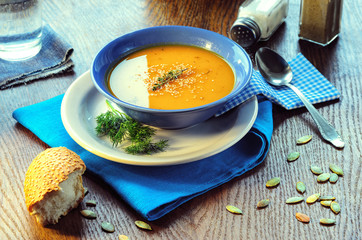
<point x="257" y="20"/>
<point x="320" y="20"/>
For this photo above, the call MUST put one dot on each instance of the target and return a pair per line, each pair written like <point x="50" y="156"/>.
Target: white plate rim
<point x="75" y="95"/>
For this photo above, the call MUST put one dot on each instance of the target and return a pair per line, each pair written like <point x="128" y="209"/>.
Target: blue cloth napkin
<point x="155" y="191"/>
<point x="53" y="58"/>
<point x="306" y="77"/>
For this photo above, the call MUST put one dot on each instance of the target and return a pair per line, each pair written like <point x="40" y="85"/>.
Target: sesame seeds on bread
<point x="53" y="184"/>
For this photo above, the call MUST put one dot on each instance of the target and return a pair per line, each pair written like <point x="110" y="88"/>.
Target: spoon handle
<point x="327" y="131"/>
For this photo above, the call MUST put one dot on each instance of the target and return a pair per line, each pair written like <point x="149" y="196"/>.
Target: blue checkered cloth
<point x="307" y="79"/>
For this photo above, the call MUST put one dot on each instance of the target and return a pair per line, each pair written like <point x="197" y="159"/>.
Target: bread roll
<point x="53" y="184"/>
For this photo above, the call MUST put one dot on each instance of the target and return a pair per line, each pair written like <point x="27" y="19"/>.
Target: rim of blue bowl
<point x="225" y="99"/>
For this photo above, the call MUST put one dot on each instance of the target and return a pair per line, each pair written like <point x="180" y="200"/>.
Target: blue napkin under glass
<point x="155" y="191"/>
<point x="53" y="58"/>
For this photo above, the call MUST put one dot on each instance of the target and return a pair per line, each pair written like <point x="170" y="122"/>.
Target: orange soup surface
<point x="202" y="77"/>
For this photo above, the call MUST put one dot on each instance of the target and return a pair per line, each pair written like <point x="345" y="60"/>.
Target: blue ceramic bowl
<point x="165" y="35"/>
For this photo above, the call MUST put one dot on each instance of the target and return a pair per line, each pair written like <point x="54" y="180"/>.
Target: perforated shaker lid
<point x="245" y="32"/>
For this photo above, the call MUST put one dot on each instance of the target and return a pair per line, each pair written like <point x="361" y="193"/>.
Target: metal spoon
<point x="276" y="71"/>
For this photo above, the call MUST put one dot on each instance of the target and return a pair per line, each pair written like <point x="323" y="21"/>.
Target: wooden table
<point x="88" y="25"/>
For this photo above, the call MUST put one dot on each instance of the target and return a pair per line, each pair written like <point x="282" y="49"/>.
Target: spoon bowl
<point x="276" y="71"/>
<point x="273" y="67"/>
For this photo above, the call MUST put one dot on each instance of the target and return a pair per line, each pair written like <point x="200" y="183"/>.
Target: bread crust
<point x="47" y="171"/>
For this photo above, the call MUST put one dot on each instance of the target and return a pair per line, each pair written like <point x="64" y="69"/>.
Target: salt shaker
<point x="320" y="21"/>
<point x="257" y="20"/>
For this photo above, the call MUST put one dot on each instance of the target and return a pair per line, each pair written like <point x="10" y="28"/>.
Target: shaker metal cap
<point x="245" y="32"/>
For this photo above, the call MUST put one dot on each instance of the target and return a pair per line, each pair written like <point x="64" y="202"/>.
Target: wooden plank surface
<point x="88" y="25"/>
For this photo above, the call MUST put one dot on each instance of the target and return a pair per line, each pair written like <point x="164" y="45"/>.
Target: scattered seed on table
<point x="88" y="214"/>
<point x="336" y="169"/>
<point x="335" y="207"/>
<point x="91" y="203"/>
<point x="302" y="217"/>
<point x="273" y="182"/>
<point x="323" y="177"/>
<point x="293" y="156"/>
<point x="263" y="203"/>
<point x="333" y="178"/>
<point x="300" y="187"/>
<point x="326" y="203"/>
<point x="85" y="191"/>
<point x="313" y="198"/>
<point x="327" y="221"/>
<point x="303" y="140"/>
<point x="233" y="209"/>
<point x="326" y="198"/>
<point x="107" y="227"/>
<point x="316" y="170"/>
<point x="293" y="200"/>
<point x="143" y="225"/>
<point x="123" y="237"/>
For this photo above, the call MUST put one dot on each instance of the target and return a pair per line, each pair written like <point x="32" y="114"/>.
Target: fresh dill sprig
<point x="167" y="77"/>
<point x="146" y="147"/>
<point x="119" y="127"/>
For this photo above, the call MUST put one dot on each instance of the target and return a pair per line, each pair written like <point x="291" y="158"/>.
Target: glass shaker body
<point x="257" y="20"/>
<point x="320" y="20"/>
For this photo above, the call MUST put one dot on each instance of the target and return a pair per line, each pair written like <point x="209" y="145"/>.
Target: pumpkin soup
<point x="171" y="77"/>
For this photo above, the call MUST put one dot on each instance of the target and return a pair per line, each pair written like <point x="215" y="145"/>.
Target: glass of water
<point x="20" y="29"/>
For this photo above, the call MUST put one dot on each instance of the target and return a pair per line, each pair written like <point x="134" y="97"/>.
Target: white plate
<point x="82" y="103"/>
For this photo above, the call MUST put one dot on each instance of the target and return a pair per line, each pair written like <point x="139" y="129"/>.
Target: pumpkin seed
<point x="88" y="214"/>
<point x="326" y="198"/>
<point x="323" y="177"/>
<point x="333" y="178"/>
<point x="143" y="225"/>
<point x="263" y="203"/>
<point x="335" y="207"/>
<point x="300" y="187"/>
<point x="85" y="191"/>
<point x="336" y="169"/>
<point x="316" y="170"/>
<point x="302" y="217"/>
<point x="313" y="198"/>
<point x="233" y="209"/>
<point x="294" y="200"/>
<point x="123" y="237"/>
<point x="326" y="203"/>
<point x="327" y="221"/>
<point x="273" y="182"/>
<point x="304" y="139"/>
<point x="91" y="203"/>
<point x="108" y="227"/>
<point x="293" y="156"/>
